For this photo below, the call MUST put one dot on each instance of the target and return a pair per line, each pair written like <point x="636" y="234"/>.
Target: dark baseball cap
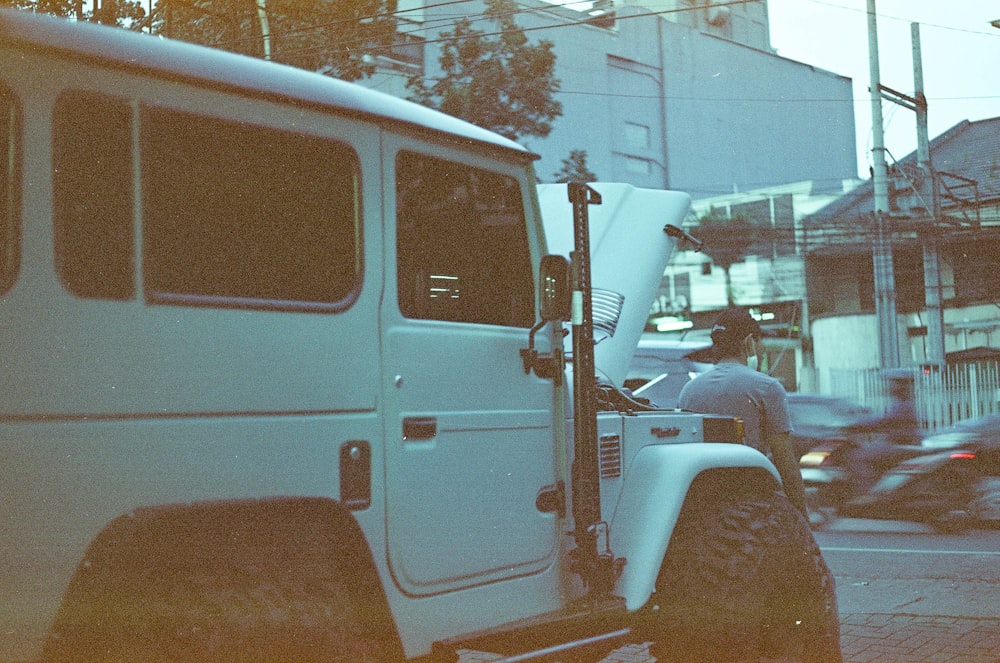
<point x="736" y="324"/>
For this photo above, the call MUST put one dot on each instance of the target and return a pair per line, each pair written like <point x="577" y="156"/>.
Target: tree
<point x="54" y="7"/>
<point x="495" y="81"/>
<point x="121" y="13"/>
<point x="333" y="37"/>
<point x="727" y="241"/>
<point x="574" y="168"/>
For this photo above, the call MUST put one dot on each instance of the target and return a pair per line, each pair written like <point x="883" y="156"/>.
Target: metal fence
<point x="942" y="397"/>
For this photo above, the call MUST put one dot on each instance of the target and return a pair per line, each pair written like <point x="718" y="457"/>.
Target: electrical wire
<point x="375" y="48"/>
<point x="480" y="17"/>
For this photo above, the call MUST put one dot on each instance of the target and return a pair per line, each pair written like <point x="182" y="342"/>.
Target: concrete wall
<point x="658" y="104"/>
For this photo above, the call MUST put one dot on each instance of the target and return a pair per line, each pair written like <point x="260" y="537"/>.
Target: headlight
<point x="814" y="458"/>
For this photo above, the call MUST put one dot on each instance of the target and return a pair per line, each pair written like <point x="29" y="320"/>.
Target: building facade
<point x="953" y="233"/>
<point x="677" y="94"/>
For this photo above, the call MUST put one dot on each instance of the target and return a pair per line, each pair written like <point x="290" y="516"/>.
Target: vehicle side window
<point x="462" y="251"/>
<point x="93" y="196"/>
<point x="10" y="188"/>
<point x="237" y="214"/>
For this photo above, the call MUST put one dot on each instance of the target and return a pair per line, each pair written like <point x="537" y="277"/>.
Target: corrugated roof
<point x="970" y="150"/>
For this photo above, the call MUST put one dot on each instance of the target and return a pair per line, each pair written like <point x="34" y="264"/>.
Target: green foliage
<point x="495" y="81"/>
<point x="328" y="36"/>
<point x="121" y="13"/>
<point x="727" y="240"/>
<point x="574" y="168"/>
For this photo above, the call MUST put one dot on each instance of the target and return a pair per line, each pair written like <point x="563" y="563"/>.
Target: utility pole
<point x="265" y="28"/>
<point x="927" y="189"/>
<point x="882" y="262"/>
<point x="923" y="196"/>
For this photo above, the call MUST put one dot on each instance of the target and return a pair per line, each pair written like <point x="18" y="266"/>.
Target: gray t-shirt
<point x="736" y="390"/>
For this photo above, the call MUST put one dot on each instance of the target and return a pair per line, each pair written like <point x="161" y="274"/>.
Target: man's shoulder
<point x="755" y="380"/>
<point x="728" y="374"/>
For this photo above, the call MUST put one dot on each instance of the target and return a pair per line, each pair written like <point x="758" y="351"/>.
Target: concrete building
<point x="678" y="94"/>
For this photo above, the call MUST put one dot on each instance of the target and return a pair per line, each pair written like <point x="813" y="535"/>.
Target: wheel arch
<point x="293" y="536"/>
<point x="659" y="484"/>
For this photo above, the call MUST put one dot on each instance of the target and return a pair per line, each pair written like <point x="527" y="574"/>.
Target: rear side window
<point x="243" y="215"/>
<point x="93" y="197"/>
<point x="462" y="251"/>
<point x="10" y="188"/>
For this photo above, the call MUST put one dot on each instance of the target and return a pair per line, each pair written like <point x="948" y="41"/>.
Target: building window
<point x="92" y="195"/>
<point x="407" y="48"/>
<point x="462" y="251"/>
<point x="638" y="165"/>
<point x="236" y="214"/>
<point x="636" y="136"/>
<point x="10" y="188"/>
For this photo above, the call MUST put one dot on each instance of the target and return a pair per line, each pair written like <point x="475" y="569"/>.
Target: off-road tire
<point x="743" y="580"/>
<point x="232" y="584"/>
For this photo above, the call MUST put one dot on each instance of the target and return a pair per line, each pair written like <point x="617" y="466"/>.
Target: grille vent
<point x="610" y="456"/>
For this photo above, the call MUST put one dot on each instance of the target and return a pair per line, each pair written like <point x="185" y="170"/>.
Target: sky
<point x="960" y="55"/>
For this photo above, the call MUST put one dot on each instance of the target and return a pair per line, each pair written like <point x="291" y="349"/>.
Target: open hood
<point x="629" y="252"/>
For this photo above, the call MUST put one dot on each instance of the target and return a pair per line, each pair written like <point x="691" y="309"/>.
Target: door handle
<point x="552" y="499"/>
<point x="419" y="428"/>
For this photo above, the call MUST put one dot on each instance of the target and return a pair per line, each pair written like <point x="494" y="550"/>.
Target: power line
<point x="771" y="100"/>
<point x="374" y="49"/>
<point x="589" y="20"/>
<point x="901" y="19"/>
<point x="428" y="25"/>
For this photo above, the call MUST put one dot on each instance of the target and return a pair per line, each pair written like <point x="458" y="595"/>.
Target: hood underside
<point x="629" y="252"/>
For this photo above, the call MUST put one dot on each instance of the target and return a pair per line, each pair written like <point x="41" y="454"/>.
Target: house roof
<point x="969" y="150"/>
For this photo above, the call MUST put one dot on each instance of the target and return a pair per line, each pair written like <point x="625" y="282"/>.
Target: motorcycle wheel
<point x="957" y="521"/>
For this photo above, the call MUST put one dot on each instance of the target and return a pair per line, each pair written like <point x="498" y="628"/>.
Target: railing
<point x="942" y="397"/>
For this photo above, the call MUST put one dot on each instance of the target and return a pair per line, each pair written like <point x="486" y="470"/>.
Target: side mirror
<point x="555" y="296"/>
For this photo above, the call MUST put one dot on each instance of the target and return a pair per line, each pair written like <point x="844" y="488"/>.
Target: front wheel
<point x="743" y="580"/>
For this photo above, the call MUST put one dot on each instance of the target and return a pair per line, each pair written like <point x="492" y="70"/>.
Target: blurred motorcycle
<point x="897" y="482"/>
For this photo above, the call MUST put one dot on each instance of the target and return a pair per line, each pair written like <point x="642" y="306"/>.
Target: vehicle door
<point x="469" y="434"/>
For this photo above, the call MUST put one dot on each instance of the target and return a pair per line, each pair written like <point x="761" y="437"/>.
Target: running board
<point x="600" y="627"/>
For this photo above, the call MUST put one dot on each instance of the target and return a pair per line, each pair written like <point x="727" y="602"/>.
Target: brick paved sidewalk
<point x="867" y="638"/>
<point x="875" y="638"/>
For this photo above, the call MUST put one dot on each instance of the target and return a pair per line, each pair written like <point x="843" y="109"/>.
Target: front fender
<point x="651" y="499"/>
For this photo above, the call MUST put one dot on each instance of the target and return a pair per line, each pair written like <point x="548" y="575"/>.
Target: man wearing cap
<point x="735" y="388"/>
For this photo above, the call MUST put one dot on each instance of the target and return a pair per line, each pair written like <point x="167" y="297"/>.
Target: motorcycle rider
<point x="896" y="428"/>
<point x="735" y="388"/>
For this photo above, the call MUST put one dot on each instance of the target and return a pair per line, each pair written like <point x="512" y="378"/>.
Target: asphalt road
<point x="909" y="595"/>
<point x="894" y="567"/>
